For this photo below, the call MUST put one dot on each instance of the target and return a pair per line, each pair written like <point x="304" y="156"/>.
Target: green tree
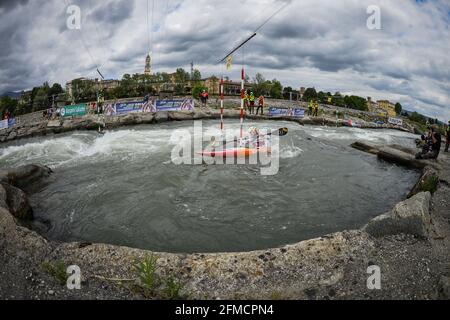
<point x="56" y="89"/>
<point x="8" y="104"/>
<point x="276" y="89"/>
<point x="338" y="100"/>
<point x="398" y="108"/>
<point x="197" y="90"/>
<point x="310" y="94"/>
<point x="355" y="102"/>
<point x="196" y="76"/>
<point x="261" y="85"/>
<point x="83" y="90"/>
<point x="181" y="77"/>
<point x="41" y="97"/>
<point x="417" y="117"/>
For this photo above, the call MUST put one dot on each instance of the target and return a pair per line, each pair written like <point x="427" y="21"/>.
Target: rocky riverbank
<point x="52" y="127"/>
<point x="410" y="244"/>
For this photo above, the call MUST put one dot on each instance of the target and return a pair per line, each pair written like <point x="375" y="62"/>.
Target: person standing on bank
<point x="435" y="140"/>
<point x="260" y="105"/>
<point x="447" y="136"/>
<point x="204" y="96"/>
<point x="252" y="103"/>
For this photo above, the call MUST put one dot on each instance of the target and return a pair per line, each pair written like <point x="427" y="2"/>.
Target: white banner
<point x="4" y="124"/>
<point x="395" y="121"/>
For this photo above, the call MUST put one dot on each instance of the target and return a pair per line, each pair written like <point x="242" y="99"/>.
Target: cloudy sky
<point x="325" y="44"/>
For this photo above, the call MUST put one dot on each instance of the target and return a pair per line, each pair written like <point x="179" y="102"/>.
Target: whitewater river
<point x="122" y="188"/>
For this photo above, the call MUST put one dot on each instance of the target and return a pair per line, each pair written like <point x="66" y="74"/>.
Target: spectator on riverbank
<point x="252" y="99"/>
<point x="204" y="96"/>
<point x="316" y="109"/>
<point x="246" y="101"/>
<point x="447" y="136"/>
<point x="260" y="105"/>
<point x="434" y="139"/>
<point x="7" y="115"/>
<point x="310" y="108"/>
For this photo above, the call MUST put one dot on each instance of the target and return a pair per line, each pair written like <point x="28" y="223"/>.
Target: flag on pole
<point x="229" y="62"/>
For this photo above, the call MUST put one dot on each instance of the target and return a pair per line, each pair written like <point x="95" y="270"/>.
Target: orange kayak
<point x="236" y="152"/>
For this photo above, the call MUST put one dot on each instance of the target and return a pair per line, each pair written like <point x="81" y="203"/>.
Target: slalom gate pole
<point x="221" y="103"/>
<point x="242" y="100"/>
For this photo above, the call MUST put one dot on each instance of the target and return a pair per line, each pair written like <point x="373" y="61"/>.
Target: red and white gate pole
<point x="242" y="100"/>
<point x="221" y="103"/>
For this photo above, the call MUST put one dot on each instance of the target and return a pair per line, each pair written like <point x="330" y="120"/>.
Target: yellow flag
<point x="229" y="62"/>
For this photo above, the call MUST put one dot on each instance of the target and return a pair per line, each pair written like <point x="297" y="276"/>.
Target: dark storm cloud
<point x="112" y="12"/>
<point x="6" y="5"/>
<point x="325" y="44"/>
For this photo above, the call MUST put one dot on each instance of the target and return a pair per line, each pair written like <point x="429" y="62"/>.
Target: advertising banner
<point x="77" y="110"/>
<point x="128" y="107"/>
<point x="175" y="105"/>
<point x="4" y="124"/>
<point x="283" y="112"/>
<point x="7" y="123"/>
<point x="395" y="121"/>
<point x="11" y="122"/>
<point x="148" y="106"/>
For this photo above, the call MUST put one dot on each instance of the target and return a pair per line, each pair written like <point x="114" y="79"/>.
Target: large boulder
<point x="54" y="124"/>
<point x="12" y="136"/>
<point x="23" y="177"/>
<point x="427" y="174"/>
<point x="198" y="114"/>
<point x="180" y="116"/>
<point x="161" y="117"/>
<point x="129" y="119"/>
<point x="17" y="203"/>
<point x="112" y="122"/>
<point x="411" y="216"/>
<point x="3" y="197"/>
<point x="8" y="231"/>
<point x="147" y="118"/>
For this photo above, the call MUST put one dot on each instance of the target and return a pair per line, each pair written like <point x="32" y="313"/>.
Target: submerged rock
<point x="411" y="216"/>
<point x="23" y="177"/>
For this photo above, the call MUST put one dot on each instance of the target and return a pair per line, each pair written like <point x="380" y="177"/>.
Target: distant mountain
<point x="12" y="94"/>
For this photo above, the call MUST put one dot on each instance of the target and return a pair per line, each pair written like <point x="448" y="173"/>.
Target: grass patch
<point x="430" y="184"/>
<point x="276" y="295"/>
<point x="57" y="270"/>
<point x="172" y="287"/>
<point x="146" y="270"/>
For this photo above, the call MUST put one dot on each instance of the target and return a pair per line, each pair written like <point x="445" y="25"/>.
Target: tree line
<point x="138" y="85"/>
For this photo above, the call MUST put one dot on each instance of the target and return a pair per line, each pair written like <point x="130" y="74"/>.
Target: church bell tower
<point x="148" y="65"/>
